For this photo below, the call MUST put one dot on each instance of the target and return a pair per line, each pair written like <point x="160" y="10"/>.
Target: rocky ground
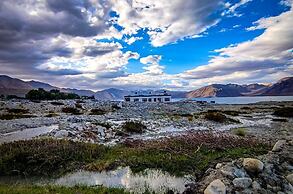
<point x="102" y="122"/>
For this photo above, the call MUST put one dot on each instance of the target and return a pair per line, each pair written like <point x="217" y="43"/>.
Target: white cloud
<point x="231" y="11"/>
<point x="132" y="40"/>
<point x="162" y="21"/>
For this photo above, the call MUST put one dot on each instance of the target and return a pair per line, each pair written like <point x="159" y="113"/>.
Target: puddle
<point x="26" y="134"/>
<point x="149" y="180"/>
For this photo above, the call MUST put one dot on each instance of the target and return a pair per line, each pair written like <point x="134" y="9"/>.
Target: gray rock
<point x="215" y="187"/>
<point x="256" y="186"/>
<point x="289" y="177"/>
<point x="279" y="145"/>
<point x="61" y="133"/>
<point x="242" y="182"/>
<point x="219" y="165"/>
<point x="253" y="165"/>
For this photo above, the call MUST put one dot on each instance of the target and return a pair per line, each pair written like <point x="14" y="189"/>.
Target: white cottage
<point x="150" y="97"/>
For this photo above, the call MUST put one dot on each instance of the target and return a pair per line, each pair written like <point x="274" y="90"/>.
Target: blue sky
<point x="131" y="44"/>
<point x="190" y="53"/>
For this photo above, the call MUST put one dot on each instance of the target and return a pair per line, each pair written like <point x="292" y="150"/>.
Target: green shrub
<point x="97" y="111"/>
<point x="17" y="110"/>
<point x="133" y="127"/>
<point x="77" y="105"/>
<point x="284" y="112"/>
<point x="42" y="94"/>
<point x="50" y="115"/>
<point x="279" y="120"/>
<point x="48" y="189"/>
<point x="57" y="103"/>
<point x="240" y="132"/>
<point x="15" y="116"/>
<point x="215" y="116"/>
<point x="71" y="110"/>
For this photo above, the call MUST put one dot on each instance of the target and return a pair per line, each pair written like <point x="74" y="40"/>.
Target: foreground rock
<point x="279" y="145"/>
<point x="216" y="187"/>
<point x="270" y="173"/>
<point x="253" y="165"/>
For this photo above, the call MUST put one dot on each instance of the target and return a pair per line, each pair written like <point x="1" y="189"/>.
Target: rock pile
<point x="271" y="173"/>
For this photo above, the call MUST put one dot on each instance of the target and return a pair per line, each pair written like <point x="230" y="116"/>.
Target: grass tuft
<point x="33" y="189"/>
<point x="240" y="131"/>
<point x="71" y="110"/>
<point x="133" y="127"/>
<point x="188" y="154"/>
<point x="284" y="112"/>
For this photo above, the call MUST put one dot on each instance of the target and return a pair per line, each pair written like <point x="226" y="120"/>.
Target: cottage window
<point x="136" y="100"/>
<point x="127" y="99"/>
<point x="150" y="100"/>
<point x="144" y="99"/>
<point x="167" y="99"/>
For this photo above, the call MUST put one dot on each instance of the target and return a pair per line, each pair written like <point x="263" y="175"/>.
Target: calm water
<point x="26" y="134"/>
<point x="242" y="100"/>
<point x="151" y="180"/>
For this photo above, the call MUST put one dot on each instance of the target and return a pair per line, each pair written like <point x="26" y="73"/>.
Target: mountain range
<point x="284" y="87"/>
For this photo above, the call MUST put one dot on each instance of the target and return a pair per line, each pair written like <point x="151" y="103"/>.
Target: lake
<point x="241" y="100"/>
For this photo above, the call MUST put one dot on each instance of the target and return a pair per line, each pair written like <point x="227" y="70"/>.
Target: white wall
<point x="146" y="99"/>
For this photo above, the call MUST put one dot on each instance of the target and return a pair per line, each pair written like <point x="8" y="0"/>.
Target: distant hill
<point x="45" y="86"/>
<point x="284" y="87"/>
<point x="219" y="90"/>
<point x="13" y="86"/>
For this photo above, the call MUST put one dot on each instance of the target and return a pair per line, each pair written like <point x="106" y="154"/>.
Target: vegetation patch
<point x="279" y="120"/>
<point x="284" y="112"/>
<point x="97" y="111"/>
<point x="190" y="154"/>
<point x="77" y="105"/>
<point x="42" y="94"/>
<point x="133" y="127"/>
<point x="55" y="103"/>
<point x="216" y="116"/>
<point x="50" y="115"/>
<point x="240" y="131"/>
<point x="233" y="112"/>
<point x="15" y="116"/>
<point x="71" y="110"/>
<point x="31" y="189"/>
<point x="17" y="111"/>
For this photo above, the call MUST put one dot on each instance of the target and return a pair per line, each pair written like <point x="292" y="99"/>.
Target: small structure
<point x="148" y="97"/>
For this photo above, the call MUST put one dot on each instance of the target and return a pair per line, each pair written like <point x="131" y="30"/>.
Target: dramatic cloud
<point x="262" y="56"/>
<point x="89" y="43"/>
<point x="162" y="19"/>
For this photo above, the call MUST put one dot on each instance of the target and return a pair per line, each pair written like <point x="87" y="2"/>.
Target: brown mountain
<point x="283" y="87"/>
<point x="12" y="86"/>
<point x="227" y="90"/>
<point x="219" y="90"/>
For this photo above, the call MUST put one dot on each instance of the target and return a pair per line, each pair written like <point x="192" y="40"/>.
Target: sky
<point x="146" y="44"/>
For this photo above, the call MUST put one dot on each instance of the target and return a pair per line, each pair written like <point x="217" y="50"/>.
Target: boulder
<point x="242" y="182"/>
<point x="279" y="145"/>
<point x="253" y="165"/>
<point x="215" y="187"/>
<point x="290" y="178"/>
<point x="61" y="133"/>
